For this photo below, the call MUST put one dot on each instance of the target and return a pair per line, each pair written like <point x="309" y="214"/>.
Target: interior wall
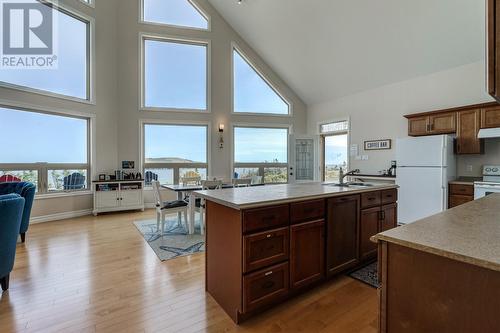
<point x="105" y="109"/>
<point x="378" y="113"/>
<point x="221" y="36"/>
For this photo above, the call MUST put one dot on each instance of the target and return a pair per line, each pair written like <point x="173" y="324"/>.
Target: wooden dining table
<point x="188" y="190"/>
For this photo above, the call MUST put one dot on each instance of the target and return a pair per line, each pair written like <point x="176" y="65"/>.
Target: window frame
<point x="261" y="166"/>
<point x="193" y="3"/>
<point x="176" y="166"/>
<point x="235" y="47"/>
<point x="142" y="73"/>
<point x="322" y="146"/>
<point x="42" y="167"/>
<point x="91" y="69"/>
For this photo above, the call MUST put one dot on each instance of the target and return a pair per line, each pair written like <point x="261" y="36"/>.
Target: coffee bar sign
<point x="378" y="144"/>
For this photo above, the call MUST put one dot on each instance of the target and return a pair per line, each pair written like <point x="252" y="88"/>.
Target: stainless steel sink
<point x="349" y="184"/>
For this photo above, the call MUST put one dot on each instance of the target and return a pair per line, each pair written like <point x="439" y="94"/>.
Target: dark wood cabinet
<point x="342" y="233"/>
<point x="307" y="248"/>
<point x="369" y="226"/>
<point x="389" y="219"/>
<point x="265" y="286"/>
<point x="460" y="194"/>
<point x="265" y="218"/>
<point x="493" y="48"/>
<point x="265" y="248"/>
<point x="443" y="123"/>
<point x="468" y="126"/>
<point x="490" y="117"/>
<point x="418" y="126"/>
<point x="307" y="211"/>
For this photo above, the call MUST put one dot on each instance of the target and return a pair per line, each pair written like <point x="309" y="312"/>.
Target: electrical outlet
<point x="364" y="157"/>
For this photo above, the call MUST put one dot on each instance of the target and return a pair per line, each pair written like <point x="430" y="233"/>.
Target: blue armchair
<point x="11" y="213"/>
<point x="27" y="191"/>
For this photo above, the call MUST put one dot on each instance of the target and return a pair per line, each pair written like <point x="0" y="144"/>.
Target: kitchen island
<point x="442" y="273"/>
<point x="266" y="244"/>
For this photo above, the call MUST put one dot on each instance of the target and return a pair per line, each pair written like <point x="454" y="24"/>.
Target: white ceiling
<point x="325" y="49"/>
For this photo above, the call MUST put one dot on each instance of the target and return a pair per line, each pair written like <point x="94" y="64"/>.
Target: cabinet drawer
<point x="265" y="218"/>
<point x="265" y="287"/>
<point x="461" y="189"/>
<point x="389" y="196"/>
<point x="457" y="200"/>
<point x="265" y="248"/>
<point x="307" y="211"/>
<point x="370" y="199"/>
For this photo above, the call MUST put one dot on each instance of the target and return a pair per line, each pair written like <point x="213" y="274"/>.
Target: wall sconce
<point x="221" y="136"/>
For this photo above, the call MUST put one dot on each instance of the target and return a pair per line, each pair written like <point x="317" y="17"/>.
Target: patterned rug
<point x="367" y="274"/>
<point x="175" y="241"/>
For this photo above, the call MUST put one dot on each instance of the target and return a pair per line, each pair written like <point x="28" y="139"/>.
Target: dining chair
<point x="207" y="185"/>
<point x="168" y="207"/>
<point x="256" y="180"/>
<point x="245" y="182"/>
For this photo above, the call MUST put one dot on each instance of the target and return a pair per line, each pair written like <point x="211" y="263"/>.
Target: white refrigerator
<point x="425" y="165"/>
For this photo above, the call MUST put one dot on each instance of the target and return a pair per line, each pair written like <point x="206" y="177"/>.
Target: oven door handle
<point x="488" y="186"/>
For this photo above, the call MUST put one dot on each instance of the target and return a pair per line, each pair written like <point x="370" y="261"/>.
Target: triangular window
<point x="182" y="13"/>
<point x="252" y="93"/>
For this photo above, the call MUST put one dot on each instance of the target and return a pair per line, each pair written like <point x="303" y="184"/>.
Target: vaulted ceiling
<point x="326" y="49"/>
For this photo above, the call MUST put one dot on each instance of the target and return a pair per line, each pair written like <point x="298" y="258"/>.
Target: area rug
<point x="175" y="241"/>
<point x="367" y="274"/>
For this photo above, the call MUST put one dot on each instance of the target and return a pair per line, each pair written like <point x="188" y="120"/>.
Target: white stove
<point x="490" y="183"/>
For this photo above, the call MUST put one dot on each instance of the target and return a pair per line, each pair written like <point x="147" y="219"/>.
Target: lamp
<point x="221" y="136"/>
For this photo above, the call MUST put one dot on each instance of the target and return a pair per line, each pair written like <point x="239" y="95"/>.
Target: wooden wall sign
<point x="378" y="144"/>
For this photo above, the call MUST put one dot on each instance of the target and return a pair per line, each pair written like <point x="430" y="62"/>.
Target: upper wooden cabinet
<point x="439" y="123"/>
<point x="493" y="48"/>
<point x="490" y="117"/>
<point x="468" y="126"/>
<point x="443" y="123"/>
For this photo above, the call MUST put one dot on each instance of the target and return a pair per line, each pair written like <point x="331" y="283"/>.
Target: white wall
<point x="378" y="113"/>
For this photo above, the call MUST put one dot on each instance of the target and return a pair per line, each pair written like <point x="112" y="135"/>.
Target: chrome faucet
<point x="342" y="175"/>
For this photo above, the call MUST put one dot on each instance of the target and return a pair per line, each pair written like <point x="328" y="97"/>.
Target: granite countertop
<point x="250" y="197"/>
<point x="466" y="180"/>
<point x="469" y="233"/>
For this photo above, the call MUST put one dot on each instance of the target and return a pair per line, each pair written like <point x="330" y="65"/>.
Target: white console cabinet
<point x="119" y="195"/>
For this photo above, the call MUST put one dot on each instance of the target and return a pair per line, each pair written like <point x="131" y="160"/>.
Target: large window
<point x="172" y="152"/>
<point x="334" y="141"/>
<point x="252" y="93"/>
<point x="174" y="74"/>
<point x="71" y="75"/>
<point x="261" y="152"/>
<point x="51" y="151"/>
<point x="182" y="13"/>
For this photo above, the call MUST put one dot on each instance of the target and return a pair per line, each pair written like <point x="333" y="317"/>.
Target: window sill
<point x="61" y="195"/>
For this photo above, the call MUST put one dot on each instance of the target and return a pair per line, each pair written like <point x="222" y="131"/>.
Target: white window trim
<point x="91" y="153"/>
<point x="235" y="47"/>
<point x="231" y="145"/>
<point x="183" y="27"/>
<point x="90" y="3"/>
<point x="320" y="146"/>
<point x="175" y="39"/>
<point x="90" y="64"/>
<point x="143" y="122"/>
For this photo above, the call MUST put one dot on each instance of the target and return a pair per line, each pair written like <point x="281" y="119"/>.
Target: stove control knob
<point x="495" y="170"/>
<point x="488" y="169"/>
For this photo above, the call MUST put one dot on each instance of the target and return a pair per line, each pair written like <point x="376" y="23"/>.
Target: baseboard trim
<point x="60" y="216"/>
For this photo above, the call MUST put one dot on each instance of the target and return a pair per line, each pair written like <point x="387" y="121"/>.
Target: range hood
<point x="489" y="133"/>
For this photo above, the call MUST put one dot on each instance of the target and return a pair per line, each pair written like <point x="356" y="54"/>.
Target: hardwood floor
<point x="97" y="274"/>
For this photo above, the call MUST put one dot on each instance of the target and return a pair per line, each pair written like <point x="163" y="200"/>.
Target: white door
<point x="421" y="193"/>
<point x="303" y="166"/>
<point x="107" y="199"/>
<point x="131" y="198"/>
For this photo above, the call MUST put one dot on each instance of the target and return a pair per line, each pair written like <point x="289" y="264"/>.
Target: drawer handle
<point x="388" y="196"/>
<point x="268" y="273"/>
<point x="269" y="235"/>
<point x="268" y="284"/>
